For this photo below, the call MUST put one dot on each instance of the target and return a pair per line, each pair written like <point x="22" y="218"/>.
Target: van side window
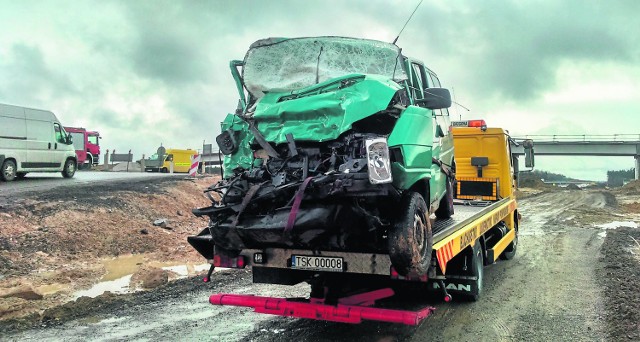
<point x="60" y="136"/>
<point x="436" y="84"/>
<point x="418" y="80"/>
<point x="442" y="115"/>
<point x="170" y="157"/>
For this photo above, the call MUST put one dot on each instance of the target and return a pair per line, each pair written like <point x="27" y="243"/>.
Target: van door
<point x="60" y="146"/>
<point x="39" y="145"/>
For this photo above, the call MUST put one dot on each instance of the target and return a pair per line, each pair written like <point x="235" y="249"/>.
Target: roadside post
<point x="142" y="164"/>
<point x="128" y="160"/>
<point x="106" y="161"/>
<point x="171" y="167"/>
<point x="195" y="161"/>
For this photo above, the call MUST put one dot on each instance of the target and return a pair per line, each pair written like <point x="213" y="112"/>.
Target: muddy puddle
<point x="120" y="270"/>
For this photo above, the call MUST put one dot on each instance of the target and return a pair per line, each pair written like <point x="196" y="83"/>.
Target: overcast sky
<point x="149" y="72"/>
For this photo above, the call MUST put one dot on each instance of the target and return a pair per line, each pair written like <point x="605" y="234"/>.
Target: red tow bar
<point x="344" y="313"/>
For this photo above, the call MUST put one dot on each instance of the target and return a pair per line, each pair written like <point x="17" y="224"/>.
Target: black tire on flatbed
<point x="445" y="209"/>
<point x="410" y="240"/>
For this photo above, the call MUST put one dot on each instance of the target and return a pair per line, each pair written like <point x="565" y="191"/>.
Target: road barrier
<point x="195" y="161"/>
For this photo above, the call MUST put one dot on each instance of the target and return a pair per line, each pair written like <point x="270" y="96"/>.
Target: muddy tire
<point x="410" y="240"/>
<point x="510" y="252"/>
<point x="445" y="209"/>
<point x="69" y="168"/>
<point x="8" y="171"/>
<point x="476" y="271"/>
<point x="21" y="175"/>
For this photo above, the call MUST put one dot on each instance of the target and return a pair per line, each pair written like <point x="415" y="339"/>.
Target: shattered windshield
<point x="285" y="65"/>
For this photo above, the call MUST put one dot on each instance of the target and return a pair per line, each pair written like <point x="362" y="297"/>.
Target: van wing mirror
<point x="436" y="98"/>
<point x="529" y="160"/>
<point x="69" y="140"/>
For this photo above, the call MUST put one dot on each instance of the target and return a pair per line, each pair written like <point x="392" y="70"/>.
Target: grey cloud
<point x="513" y="49"/>
<point x="24" y="74"/>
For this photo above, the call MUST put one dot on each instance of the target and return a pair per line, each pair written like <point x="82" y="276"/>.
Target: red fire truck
<point x="87" y="146"/>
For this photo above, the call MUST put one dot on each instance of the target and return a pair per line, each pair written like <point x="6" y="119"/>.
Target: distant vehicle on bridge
<point x="87" y="145"/>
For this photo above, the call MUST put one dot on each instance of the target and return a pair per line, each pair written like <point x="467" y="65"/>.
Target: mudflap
<point x="457" y="286"/>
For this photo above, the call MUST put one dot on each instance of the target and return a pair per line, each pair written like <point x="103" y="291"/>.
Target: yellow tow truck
<point x="346" y="285"/>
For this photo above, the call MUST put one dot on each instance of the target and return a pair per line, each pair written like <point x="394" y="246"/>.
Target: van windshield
<point x="273" y="65"/>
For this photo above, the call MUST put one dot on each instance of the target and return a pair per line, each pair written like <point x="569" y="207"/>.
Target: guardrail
<point x="581" y="138"/>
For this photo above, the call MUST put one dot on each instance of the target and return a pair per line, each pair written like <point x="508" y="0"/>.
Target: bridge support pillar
<point x="637" y="167"/>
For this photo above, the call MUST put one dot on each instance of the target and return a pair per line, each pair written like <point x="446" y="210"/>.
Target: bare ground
<point x="566" y="283"/>
<point x="56" y="242"/>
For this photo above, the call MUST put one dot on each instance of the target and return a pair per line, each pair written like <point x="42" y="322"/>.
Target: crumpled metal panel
<point x="323" y="116"/>
<point x="413" y="133"/>
<point x="244" y="156"/>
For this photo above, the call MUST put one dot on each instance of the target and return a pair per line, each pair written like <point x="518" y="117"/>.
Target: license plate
<point x="317" y="263"/>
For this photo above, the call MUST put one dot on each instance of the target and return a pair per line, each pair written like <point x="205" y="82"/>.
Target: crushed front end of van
<point x="326" y="144"/>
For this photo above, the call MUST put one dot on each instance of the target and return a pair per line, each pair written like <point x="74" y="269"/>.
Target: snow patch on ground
<point x="614" y="225"/>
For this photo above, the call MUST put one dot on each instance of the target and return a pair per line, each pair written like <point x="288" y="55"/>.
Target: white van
<point x="33" y="140"/>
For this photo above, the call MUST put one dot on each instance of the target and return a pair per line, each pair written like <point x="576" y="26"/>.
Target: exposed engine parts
<point x="254" y="205"/>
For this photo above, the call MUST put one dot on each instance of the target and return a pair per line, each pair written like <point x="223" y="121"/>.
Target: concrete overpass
<point x="617" y="145"/>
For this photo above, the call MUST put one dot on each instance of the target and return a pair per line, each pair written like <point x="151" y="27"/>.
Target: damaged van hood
<point x="324" y="111"/>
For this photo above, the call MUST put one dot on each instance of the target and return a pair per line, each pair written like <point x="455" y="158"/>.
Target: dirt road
<point x="550" y="291"/>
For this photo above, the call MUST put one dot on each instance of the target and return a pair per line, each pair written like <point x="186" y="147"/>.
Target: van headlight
<point x="378" y="161"/>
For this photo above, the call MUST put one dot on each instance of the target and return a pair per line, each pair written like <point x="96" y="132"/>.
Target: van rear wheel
<point x="8" y="172"/>
<point x="445" y="209"/>
<point x="69" y="168"/>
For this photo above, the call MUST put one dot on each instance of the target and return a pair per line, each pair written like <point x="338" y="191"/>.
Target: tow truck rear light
<point x="477" y="123"/>
<point x="224" y="261"/>
<point x="470" y="123"/>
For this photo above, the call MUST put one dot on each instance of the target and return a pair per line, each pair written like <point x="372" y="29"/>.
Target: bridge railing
<point x="581" y="138"/>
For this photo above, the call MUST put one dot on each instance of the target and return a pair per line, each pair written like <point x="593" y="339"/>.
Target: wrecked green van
<point x="338" y="144"/>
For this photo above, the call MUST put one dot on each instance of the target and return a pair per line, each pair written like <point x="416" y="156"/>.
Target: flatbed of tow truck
<point x="482" y="230"/>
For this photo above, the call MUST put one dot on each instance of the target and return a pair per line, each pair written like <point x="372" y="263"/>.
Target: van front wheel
<point x="410" y="240"/>
<point x="8" y="172"/>
<point x="69" y="168"/>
